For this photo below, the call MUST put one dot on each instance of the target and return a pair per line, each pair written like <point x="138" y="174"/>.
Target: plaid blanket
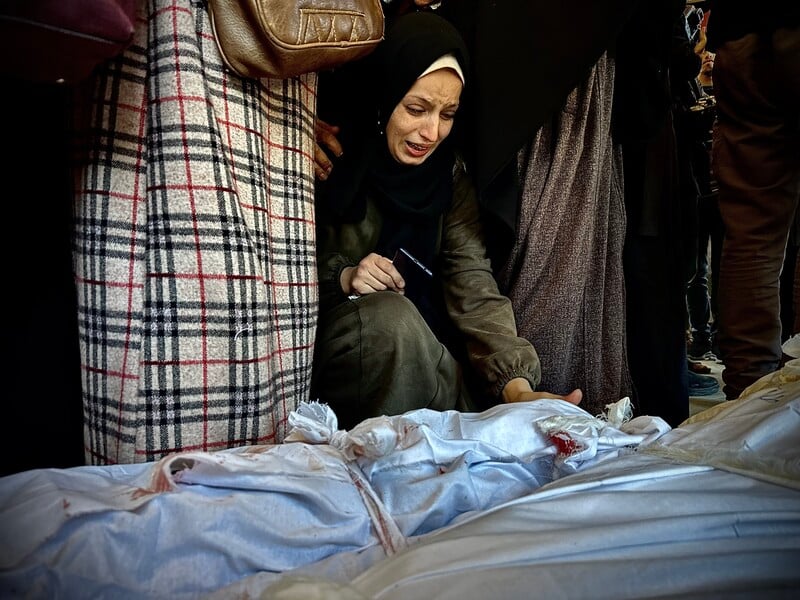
<point x="193" y="246"/>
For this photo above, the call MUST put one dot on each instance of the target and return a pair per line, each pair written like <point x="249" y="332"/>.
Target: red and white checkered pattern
<point x="194" y="247"/>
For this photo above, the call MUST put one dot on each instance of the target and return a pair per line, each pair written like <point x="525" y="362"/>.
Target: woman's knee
<point x="389" y="315"/>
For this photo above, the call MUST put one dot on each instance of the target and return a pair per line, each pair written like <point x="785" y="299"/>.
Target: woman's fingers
<point x="574" y="397"/>
<point x="322" y="164"/>
<point x="326" y="138"/>
<point x="375" y="273"/>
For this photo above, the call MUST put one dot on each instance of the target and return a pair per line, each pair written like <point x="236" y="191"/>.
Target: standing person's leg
<point x="193" y="246"/>
<point x="717" y="230"/>
<point x="789" y="283"/>
<point x="656" y="341"/>
<point x="655" y="280"/>
<point x="791" y="344"/>
<point x="698" y="300"/>
<point x="796" y="294"/>
<point x="576" y="322"/>
<point x="791" y="322"/>
<point x="757" y="165"/>
<point x="788" y="286"/>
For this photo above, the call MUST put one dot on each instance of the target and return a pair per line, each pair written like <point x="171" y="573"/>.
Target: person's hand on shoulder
<point x="702" y="40"/>
<point x="520" y="390"/>
<point x="375" y="273"/>
<point x="325" y="135"/>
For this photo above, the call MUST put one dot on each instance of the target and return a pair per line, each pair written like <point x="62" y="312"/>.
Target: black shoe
<point x="698" y="349"/>
<point x="702" y="385"/>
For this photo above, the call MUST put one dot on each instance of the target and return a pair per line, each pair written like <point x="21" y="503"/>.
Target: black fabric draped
<point x="527" y="57"/>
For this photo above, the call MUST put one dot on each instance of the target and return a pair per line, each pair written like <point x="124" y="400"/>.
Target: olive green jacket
<point x="473" y="301"/>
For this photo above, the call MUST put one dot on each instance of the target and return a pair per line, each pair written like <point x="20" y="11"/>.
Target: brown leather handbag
<point x="284" y="38"/>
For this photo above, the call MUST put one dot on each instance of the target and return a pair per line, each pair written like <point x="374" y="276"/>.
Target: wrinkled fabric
<point x="757" y="435"/>
<point x="638" y="527"/>
<point x="193" y="245"/>
<point x="564" y="272"/>
<point x="197" y="521"/>
<point x="655" y="523"/>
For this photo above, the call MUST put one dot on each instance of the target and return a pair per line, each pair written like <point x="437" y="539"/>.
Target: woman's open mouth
<point x="417" y="150"/>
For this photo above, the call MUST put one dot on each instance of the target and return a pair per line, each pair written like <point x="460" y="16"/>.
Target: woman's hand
<point x="702" y="40"/>
<point x="325" y="134"/>
<point x="375" y="273"/>
<point x="520" y="390"/>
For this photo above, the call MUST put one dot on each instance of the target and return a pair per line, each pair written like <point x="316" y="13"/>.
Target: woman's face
<point x="424" y="117"/>
<point x="708" y="63"/>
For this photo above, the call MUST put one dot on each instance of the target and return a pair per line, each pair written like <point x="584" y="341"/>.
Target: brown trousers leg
<point x="756" y="154"/>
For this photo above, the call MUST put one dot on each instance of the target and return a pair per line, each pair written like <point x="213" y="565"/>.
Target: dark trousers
<point x="702" y="292"/>
<point x="656" y="340"/>
<point x="790" y="282"/>
<point x="756" y="157"/>
<point x="655" y="266"/>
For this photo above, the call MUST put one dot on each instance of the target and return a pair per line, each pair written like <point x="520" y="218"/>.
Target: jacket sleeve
<point x="482" y="314"/>
<point x="329" y="269"/>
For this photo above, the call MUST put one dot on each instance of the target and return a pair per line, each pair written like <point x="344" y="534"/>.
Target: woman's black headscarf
<point x="411" y="198"/>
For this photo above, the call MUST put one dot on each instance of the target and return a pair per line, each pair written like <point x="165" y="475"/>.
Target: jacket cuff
<point x="330" y="286"/>
<point x="500" y="383"/>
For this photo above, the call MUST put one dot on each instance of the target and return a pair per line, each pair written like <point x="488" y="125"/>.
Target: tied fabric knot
<point x="316" y="423"/>
<point x="618" y="413"/>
